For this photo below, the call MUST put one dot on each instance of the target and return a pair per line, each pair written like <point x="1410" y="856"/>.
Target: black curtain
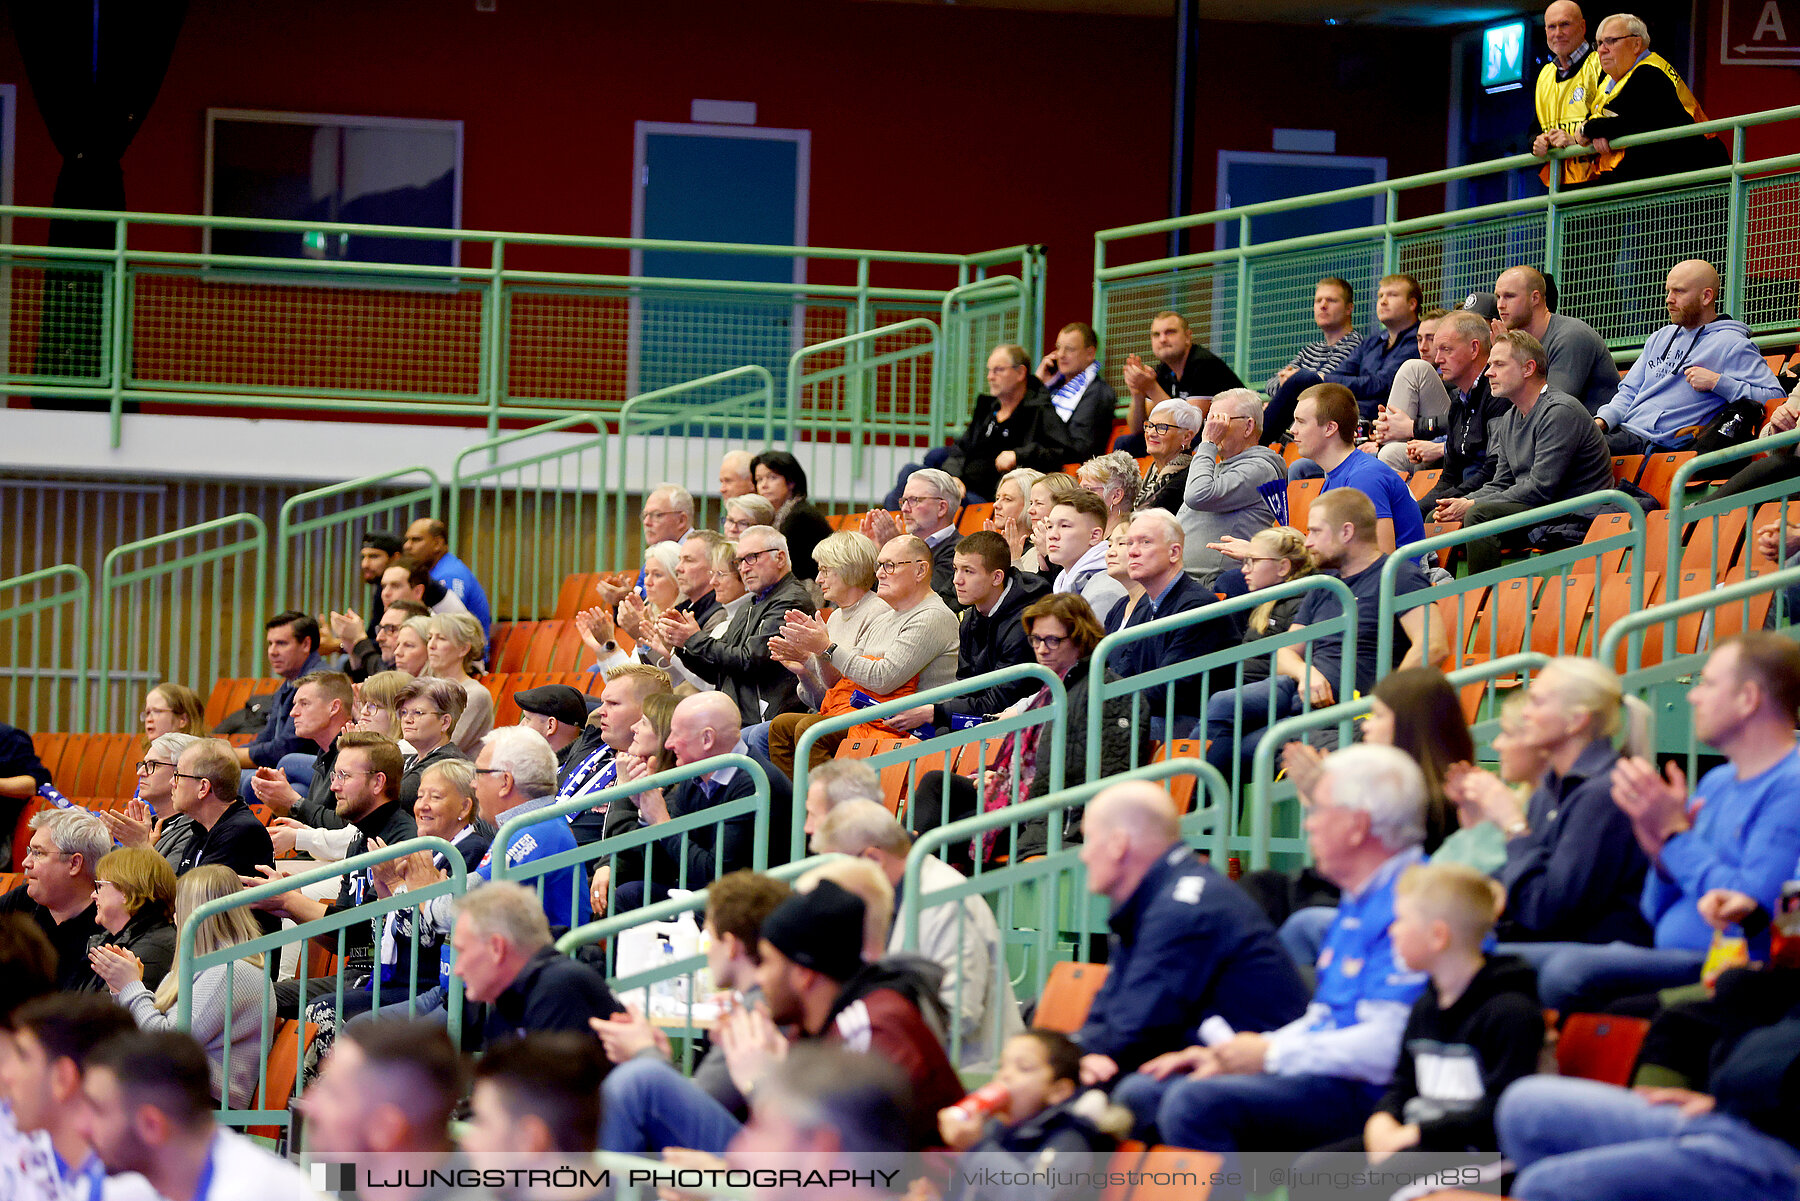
<point x="94" y="67"/>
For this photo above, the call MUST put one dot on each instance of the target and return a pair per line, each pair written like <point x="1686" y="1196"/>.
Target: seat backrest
<point x="511" y="656"/>
<point x="286" y="1052"/>
<point x="974" y="517"/>
<point x="1422" y="482"/>
<point x="1627" y="468"/>
<point x="1300" y="498"/>
<point x="1612" y="601"/>
<point x="1168" y="1171"/>
<point x="1659" y="473"/>
<point x="1556" y="622"/>
<point x="1067" y="995"/>
<point x="1600" y="1046"/>
<point x="1181" y="788"/>
<point x="577" y="593"/>
<point x="1606" y="525"/>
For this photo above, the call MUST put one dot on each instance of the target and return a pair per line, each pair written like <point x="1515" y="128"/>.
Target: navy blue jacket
<point x="1577" y="875"/>
<point x="1371" y="369"/>
<point x="1190" y="642"/>
<point x="1187" y="944"/>
<point x="278" y="737"/>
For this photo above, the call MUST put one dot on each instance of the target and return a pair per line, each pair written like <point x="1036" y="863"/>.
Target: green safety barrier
<point x="1042" y="904"/>
<point x="1673" y="639"/>
<point x="192" y="617"/>
<point x="527" y="508"/>
<point x="975" y="318"/>
<point x="1205" y="667"/>
<point x="45" y="648"/>
<point x="189" y="965"/>
<point x="125" y="323"/>
<point x="1470" y="593"/>
<point x="1718" y="529"/>
<point x="843" y="395"/>
<point x="1608" y="246"/>
<point x="684" y="425"/>
<point x="1289" y="850"/>
<point x="714" y="817"/>
<point x="316" y="556"/>
<point x="939" y="753"/>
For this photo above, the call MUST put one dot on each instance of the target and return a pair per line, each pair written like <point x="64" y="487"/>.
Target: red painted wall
<point x="934" y="127"/>
<point x="1727" y="90"/>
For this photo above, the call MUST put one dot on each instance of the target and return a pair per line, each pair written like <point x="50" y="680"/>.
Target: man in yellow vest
<point x="1638" y="92"/>
<point x="1564" y="88"/>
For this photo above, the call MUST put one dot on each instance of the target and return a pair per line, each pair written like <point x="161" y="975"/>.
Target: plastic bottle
<point x="985" y="1101"/>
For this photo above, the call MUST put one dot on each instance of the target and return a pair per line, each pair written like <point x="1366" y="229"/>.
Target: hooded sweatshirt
<point x="1655" y="398"/>
<point x="1225" y="500"/>
<point x="882" y="1011"/>
<point x="1455" y="1062"/>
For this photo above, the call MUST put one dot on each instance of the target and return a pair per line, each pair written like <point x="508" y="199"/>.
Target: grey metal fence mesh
<point x="1451" y="263"/>
<point x="1771" y="253"/>
<point x="1206" y="296"/>
<point x="1616" y="256"/>
<point x="1281" y="297"/>
<point x="57" y="328"/>
<point x="190" y="330"/>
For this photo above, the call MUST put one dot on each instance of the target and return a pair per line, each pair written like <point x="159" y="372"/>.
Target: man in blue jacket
<point x="1370" y="372"/>
<point x="1690" y="369"/>
<point x="1186" y="942"/>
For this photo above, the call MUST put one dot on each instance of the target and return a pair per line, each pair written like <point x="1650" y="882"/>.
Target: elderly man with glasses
<point x="929" y="506"/>
<point x="58" y="893"/>
<point x="667" y="516"/>
<point x="1225" y="493"/>
<point x="739" y="663"/>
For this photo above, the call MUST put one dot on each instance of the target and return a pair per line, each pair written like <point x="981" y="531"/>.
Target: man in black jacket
<point x="991" y="637"/>
<point x="1084" y="402"/>
<point x="1461" y="347"/>
<point x="505" y="959"/>
<point x="744" y="670"/>
<point x="322" y="708"/>
<point x="1153" y="557"/>
<point x="1013" y="427"/>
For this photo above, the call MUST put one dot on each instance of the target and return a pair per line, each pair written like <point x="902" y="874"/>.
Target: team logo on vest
<point x="1578" y="95"/>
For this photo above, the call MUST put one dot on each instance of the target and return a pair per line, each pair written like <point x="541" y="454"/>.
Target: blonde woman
<point x="454" y="649"/>
<point x="241" y="986"/>
<point x="1011" y="500"/>
<point x="378" y="706"/>
<point x="173" y="709"/>
<point x="411" y="647"/>
<point x="134" y="906"/>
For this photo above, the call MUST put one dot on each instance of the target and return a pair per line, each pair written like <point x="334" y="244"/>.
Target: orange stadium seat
<point x="286" y="1052"/>
<point x="974" y="517"/>
<point x="228" y="696"/>
<point x="1300" y="498"/>
<point x="510" y="655"/>
<point x="1600" y="1046"/>
<point x="1606" y="525"/>
<point x="578" y="592"/>
<point x="1659" y="473"/>
<point x="1181" y="788"/>
<point x="1556" y="621"/>
<point x="893" y="776"/>
<point x="1627" y="468"/>
<point x="1422" y="482"/>
<point x="1067" y="995"/>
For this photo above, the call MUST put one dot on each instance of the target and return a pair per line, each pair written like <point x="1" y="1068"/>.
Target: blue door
<point x="743" y="186"/>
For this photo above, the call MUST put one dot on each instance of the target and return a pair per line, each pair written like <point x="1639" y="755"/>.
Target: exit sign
<point x="1760" y="33"/>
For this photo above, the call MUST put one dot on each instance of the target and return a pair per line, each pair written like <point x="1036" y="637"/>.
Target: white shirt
<point x="243" y="1171"/>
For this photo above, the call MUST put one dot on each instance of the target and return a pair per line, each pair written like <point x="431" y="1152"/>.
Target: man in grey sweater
<point x="1580" y="364"/>
<point x="1547" y="447"/>
<point x="1224" y="496"/>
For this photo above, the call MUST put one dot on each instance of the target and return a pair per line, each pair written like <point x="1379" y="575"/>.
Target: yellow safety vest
<point x="1564" y="104"/>
<point x="1608" y="89"/>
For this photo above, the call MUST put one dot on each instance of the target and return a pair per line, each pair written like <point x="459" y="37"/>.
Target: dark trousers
<point x="929" y="810"/>
<point x="1484" y="553"/>
<point x="1770" y="469"/>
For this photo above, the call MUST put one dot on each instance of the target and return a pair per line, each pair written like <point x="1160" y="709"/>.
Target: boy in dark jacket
<point x="1477" y="1029"/>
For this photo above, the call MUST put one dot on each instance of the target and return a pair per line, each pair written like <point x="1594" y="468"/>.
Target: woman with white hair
<point x="1114" y="479"/>
<point x="742" y="512"/>
<point x="1171" y="430"/>
<point x="453" y="650"/>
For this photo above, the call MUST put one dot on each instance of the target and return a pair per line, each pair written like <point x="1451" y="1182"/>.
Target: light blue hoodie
<point x="1655" y="399"/>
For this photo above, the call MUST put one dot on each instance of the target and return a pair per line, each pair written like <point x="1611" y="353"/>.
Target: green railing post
<point x="855" y="369"/>
<point x="1678" y="506"/>
<point x="1734" y="229"/>
<point x="494" y="342"/>
<point x="1553" y="219"/>
<point x="1240" y="332"/>
<point x="289" y="528"/>
<point x="114" y="333"/>
<point x="31" y="715"/>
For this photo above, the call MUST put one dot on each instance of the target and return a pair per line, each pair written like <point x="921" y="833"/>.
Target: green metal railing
<point x="940" y="753"/>
<point x="975" y="318"/>
<point x="1609" y="247"/>
<point x="335" y="927"/>
<point x="485" y="339"/>
<point x="1705" y="535"/>
<point x="755" y="803"/>
<point x="526" y="509"/>
<point x="1469" y="593"/>
<point x="1042" y="904"/>
<point x="192" y="615"/>
<point x="666" y="434"/>
<point x="46" y="649"/>
<point x="1216" y="673"/>
<point x="1682" y="632"/>
<point x="892" y="368"/>
<point x="318" y="535"/>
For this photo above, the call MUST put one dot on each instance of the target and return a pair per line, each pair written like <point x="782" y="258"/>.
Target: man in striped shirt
<point x="1334" y="303"/>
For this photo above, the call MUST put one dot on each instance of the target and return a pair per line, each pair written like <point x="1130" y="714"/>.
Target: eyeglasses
<point x="99" y="884"/>
<point x="421" y="714"/>
<point x="492" y="771"/>
<point x="32" y="852"/>
<point x="185" y="776"/>
<point x="745" y="558"/>
<point x="1048" y="642"/>
<point x="891" y="568"/>
<point x="726" y="574"/>
<point x="342" y="775"/>
<point x="1609" y="43"/>
<point x="1159" y="428"/>
<point x="908" y="501"/>
<point x="658" y="514"/>
<point x="148" y="713"/>
<point x="1262" y="558"/>
<point x="146" y="766"/>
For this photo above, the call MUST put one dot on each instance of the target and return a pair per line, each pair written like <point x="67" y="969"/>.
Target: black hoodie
<point x="1455" y="1062"/>
<point x="990" y="643"/>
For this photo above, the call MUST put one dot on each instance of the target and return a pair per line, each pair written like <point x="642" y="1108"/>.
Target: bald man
<point x="1690" y="370"/>
<point x="1186" y="942"/>
<point x="1565" y="87"/>
<point x="704" y="726"/>
<point x="1580" y="364"/>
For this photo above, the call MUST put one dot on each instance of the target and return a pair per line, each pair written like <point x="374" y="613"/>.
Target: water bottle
<point x="663" y="993"/>
<point x="50" y="793"/>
